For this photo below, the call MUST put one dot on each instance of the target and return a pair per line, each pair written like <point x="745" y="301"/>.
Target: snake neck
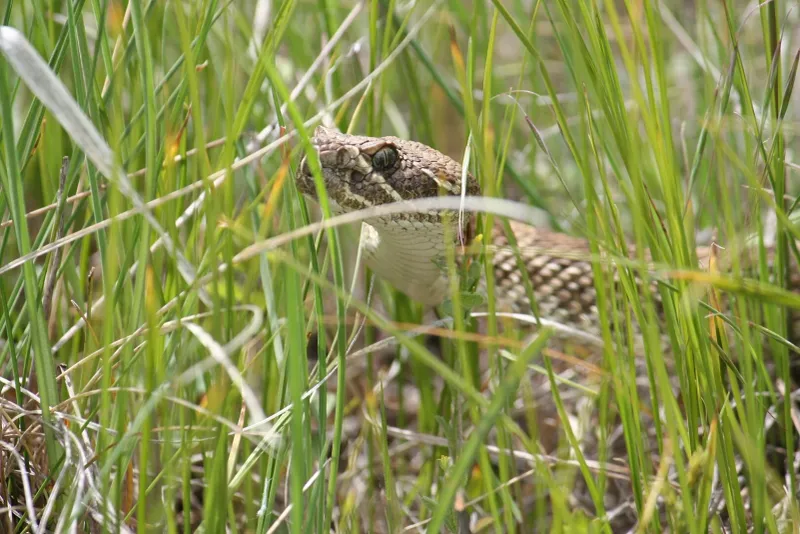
<point x="408" y="255"/>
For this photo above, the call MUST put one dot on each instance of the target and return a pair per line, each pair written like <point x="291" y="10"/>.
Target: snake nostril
<point x="342" y="156"/>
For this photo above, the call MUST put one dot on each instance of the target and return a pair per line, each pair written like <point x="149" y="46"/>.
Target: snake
<point x="406" y="249"/>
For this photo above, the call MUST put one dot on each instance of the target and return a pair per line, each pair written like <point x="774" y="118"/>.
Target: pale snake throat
<point x="406" y="249"/>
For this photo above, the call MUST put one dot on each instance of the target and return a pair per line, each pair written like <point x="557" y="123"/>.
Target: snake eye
<point x="384" y="158"/>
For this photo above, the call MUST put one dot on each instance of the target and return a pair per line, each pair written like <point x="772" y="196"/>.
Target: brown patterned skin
<point x="360" y="172"/>
<point x="355" y="180"/>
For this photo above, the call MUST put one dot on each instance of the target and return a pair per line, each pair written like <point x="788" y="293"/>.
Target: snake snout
<point x="305" y="169"/>
<point x="305" y="179"/>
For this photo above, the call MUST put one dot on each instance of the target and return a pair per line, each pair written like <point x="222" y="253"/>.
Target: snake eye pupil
<point x="384" y="158"/>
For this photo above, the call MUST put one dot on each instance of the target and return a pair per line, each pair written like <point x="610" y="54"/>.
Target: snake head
<point x="360" y="172"/>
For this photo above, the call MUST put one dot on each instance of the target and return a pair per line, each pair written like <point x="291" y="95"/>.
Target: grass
<point x="183" y="346"/>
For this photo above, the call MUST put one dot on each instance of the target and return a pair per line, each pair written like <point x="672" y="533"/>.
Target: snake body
<point x="361" y="172"/>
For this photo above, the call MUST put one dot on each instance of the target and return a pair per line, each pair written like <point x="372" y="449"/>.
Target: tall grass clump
<point x="187" y="344"/>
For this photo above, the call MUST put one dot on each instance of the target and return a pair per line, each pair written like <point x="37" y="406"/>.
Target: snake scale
<point x="361" y="172"/>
